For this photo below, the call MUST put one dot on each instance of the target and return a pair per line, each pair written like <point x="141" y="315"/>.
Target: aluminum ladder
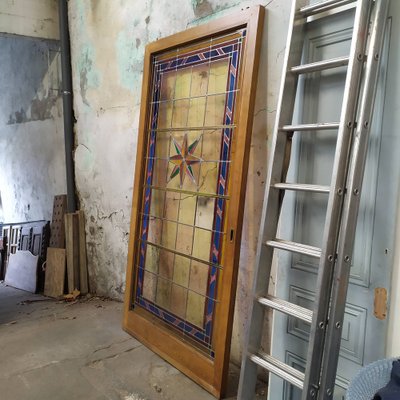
<point x="326" y="318"/>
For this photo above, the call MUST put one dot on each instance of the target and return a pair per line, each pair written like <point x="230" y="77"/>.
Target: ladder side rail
<point x="272" y="202"/>
<point x="352" y="201"/>
<point x="335" y="201"/>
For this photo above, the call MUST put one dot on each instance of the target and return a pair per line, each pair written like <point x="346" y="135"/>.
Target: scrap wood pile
<point x="39" y="257"/>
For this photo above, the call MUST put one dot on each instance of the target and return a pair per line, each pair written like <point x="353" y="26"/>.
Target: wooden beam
<point x="84" y="287"/>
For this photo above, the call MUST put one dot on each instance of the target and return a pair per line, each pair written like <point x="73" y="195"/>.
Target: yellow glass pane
<point x="152" y="258"/>
<point x="175" y="137"/>
<point x="201" y="245"/>
<point x="195" y="309"/>
<point x="215" y="110"/>
<point x="196" y="137"/>
<point x="166" y="264"/>
<point x="167" y="85"/>
<point x="211" y="148"/>
<point x="163" y="295"/>
<point x="169" y="234"/>
<point x="178" y="300"/>
<point x="205" y="212"/>
<point x="181" y="270"/>
<point x="172" y="182"/>
<point x="180" y="113"/>
<point x="149" y="286"/>
<point x="218" y="76"/>
<point x="199" y="80"/>
<point x="162" y="145"/>
<point x="190" y="183"/>
<point x="208" y="177"/>
<point x="159" y="173"/>
<point x="171" y="205"/>
<point x="199" y="277"/>
<point x="187" y="209"/>
<point x="165" y="114"/>
<point x="157" y="203"/>
<point x="182" y="86"/>
<point x="196" y="112"/>
<point x="184" y="239"/>
<point x="155" y="230"/>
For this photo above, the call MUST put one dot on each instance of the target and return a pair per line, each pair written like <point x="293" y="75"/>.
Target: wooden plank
<point x="22" y="271"/>
<point x="57" y="238"/>
<point x="82" y="254"/>
<point x="72" y="250"/>
<point x="69" y="249"/>
<point x="55" y="272"/>
<point x="75" y="220"/>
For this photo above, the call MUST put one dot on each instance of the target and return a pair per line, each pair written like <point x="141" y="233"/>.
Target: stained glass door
<point x="185" y="193"/>
<point x="189" y="154"/>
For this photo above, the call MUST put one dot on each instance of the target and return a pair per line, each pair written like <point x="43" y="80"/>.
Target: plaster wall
<point x="31" y="129"/>
<point x="38" y="18"/>
<point x="108" y="44"/>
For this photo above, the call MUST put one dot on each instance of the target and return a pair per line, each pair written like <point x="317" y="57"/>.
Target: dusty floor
<point x="54" y="351"/>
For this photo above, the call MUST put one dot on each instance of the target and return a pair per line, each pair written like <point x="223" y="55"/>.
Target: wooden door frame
<point x="150" y="330"/>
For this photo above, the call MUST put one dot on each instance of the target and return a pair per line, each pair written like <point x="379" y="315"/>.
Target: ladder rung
<point x="320" y="65"/>
<point x="302" y="187"/>
<point x="295" y="247"/>
<point x="322" y="6"/>
<point x="310" y="127"/>
<point x="286" y="307"/>
<point x="278" y="368"/>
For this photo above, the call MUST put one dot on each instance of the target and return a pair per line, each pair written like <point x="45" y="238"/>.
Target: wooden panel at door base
<point x="188" y="199"/>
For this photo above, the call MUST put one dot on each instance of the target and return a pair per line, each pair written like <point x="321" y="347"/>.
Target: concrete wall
<point x="34" y="18"/>
<point x="108" y="44"/>
<point x="31" y="130"/>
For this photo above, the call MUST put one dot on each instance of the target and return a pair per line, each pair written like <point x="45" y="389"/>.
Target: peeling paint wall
<point x="31" y="129"/>
<point x="108" y="41"/>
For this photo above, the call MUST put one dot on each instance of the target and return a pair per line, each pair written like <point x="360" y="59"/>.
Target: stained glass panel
<point x="186" y="186"/>
<point x="197" y="108"/>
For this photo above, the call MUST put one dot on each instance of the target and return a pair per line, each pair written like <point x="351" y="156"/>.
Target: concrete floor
<point x="52" y="350"/>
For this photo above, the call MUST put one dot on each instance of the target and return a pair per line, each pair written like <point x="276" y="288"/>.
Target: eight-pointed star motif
<point x="184" y="159"/>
